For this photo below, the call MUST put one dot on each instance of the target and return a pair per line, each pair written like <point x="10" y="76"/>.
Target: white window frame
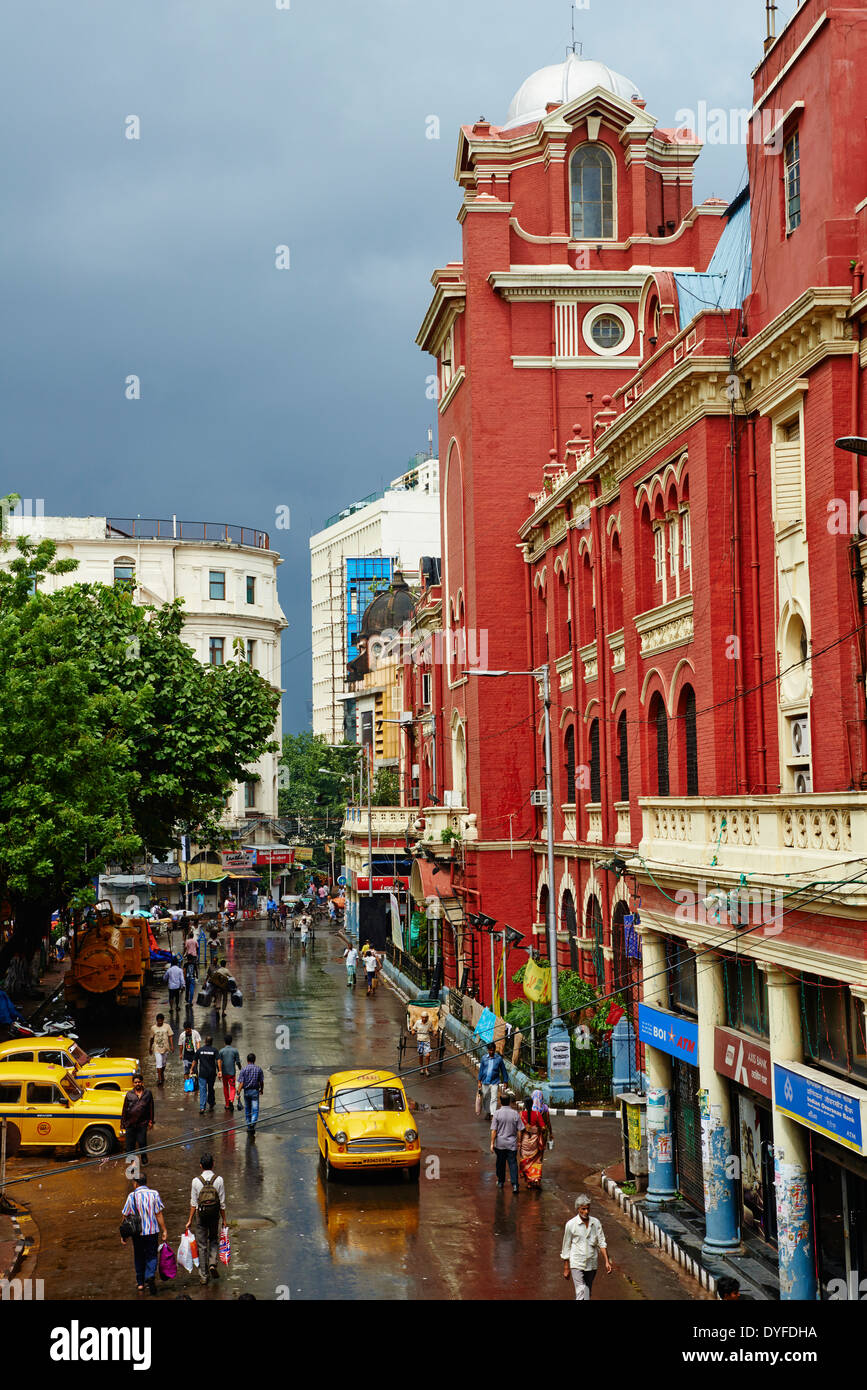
<point x="685" y="538"/>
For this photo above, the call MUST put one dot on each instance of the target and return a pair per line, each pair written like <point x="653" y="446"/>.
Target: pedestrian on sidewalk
<point x="191" y="974"/>
<point x="208" y="1209"/>
<point x="506" y="1125"/>
<point x="423" y="1027"/>
<point x="188" y="1045"/>
<point x="175" y="981"/>
<point x="206" y="1066"/>
<point x="533" y="1139"/>
<point x="370" y="964"/>
<point x="252" y="1083"/>
<point x="230" y="1065"/>
<point x="221" y="982"/>
<point x="161" y="1044"/>
<point x="492" y="1075"/>
<point x="144" y="1207"/>
<point x="351" y="958"/>
<point x="191" y="945"/>
<point x="283" y="914"/>
<point x="137" y="1116"/>
<point x="583" y="1238"/>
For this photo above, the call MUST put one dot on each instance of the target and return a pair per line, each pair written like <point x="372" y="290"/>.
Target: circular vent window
<point x="607" y="331"/>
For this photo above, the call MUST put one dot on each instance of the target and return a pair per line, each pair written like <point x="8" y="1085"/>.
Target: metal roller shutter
<point x="687" y="1131"/>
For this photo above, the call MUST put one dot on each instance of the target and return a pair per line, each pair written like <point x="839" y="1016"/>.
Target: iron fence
<point x="172" y="529"/>
<point x="408" y="965"/>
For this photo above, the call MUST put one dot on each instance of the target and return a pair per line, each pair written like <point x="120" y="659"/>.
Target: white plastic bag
<point x="185" y="1252"/>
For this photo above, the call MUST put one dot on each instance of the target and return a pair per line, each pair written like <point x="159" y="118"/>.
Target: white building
<point x="227" y="578"/>
<point x="398" y="527"/>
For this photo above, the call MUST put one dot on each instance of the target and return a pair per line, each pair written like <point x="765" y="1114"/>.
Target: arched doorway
<point x="569" y="924"/>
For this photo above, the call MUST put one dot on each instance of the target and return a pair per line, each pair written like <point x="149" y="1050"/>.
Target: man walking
<point x="252" y="1083"/>
<point x="161" y="1044"/>
<point x="206" y="1066"/>
<point x="370" y="964"/>
<point x="351" y="957"/>
<point x="423" y="1027"/>
<point x="220" y="980"/>
<point x="583" y="1238"/>
<point x="208" y="1209"/>
<point x="492" y="1075"/>
<point x="175" y="981"/>
<point x="191" y="974"/>
<point x="144" y="1206"/>
<point x="230" y="1064"/>
<point x="188" y="1045"/>
<point x="137" y="1116"/>
<point x="506" y="1125"/>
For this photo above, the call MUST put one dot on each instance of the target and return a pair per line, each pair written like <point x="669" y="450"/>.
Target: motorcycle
<point x="54" y="1028"/>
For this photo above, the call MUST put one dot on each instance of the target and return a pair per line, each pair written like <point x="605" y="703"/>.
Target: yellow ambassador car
<point x="364" y="1121"/>
<point x="92" y="1073"/>
<point x="48" y="1109"/>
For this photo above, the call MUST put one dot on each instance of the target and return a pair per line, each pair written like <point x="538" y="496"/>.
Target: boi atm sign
<point x="670" y="1033"/>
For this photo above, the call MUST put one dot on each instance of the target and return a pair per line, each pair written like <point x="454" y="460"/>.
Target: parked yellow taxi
<point x="92" y="1073"/>
<point x="364" y="1121"/>
<point x="46" y="1107"/>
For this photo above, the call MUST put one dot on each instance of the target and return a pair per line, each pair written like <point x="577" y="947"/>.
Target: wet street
<point x="452" y="1236"/>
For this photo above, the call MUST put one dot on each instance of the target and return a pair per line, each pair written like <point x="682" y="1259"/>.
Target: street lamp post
<point x="559" y="1051"/>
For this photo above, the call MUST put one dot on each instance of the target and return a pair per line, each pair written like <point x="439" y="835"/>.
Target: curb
<point x="591" y="1114"/>
<point x="637" y="1213"/>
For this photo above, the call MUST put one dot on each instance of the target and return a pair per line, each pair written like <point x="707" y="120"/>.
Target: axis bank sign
<point x="743" y="1059"/>
<point x="670" y="1033"/>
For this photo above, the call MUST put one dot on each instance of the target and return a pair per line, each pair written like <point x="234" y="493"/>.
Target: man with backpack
<point x="208" y="1209"/>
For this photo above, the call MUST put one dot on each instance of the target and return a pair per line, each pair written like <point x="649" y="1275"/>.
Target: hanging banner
<point x="498" y="988"/>
<point x="537" y="982"/>
<point x="396" y="929"/>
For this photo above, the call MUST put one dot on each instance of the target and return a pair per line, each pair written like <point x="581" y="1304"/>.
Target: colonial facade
<point x="641" y="491"/>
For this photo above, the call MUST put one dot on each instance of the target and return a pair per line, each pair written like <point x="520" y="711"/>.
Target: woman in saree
<point x="533" y="1139"/>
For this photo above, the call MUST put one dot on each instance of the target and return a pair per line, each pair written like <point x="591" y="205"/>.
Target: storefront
<point x="678" y="1037"/>
<point x="747" y="1063"/>
<point x="836" y="1113"/>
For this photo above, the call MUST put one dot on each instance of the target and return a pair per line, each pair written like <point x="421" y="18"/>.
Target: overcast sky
<point x="261" y="127"/>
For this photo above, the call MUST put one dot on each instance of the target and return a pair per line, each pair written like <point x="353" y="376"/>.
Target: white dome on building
<point x="564" y="82"/>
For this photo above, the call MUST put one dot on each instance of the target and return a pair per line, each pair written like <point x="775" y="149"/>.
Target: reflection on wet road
<point x="454" y="1235"/>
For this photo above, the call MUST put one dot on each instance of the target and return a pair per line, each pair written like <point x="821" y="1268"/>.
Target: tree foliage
<point x="113" y="736"/>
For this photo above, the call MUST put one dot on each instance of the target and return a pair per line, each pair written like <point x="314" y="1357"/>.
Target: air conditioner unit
<point x="538" y="797"/>
<point x="416" y="769"/>
<point x="799" y="735"/>
<point x="406" y="716"/>
<point x="803" y="780"/>
<point x="450" y="798"/>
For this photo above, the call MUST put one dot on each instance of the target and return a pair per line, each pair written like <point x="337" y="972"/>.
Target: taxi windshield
<point x="79" y="1055"/>
<point x="74" y="1092"/>
<point x="368" y="1098"/>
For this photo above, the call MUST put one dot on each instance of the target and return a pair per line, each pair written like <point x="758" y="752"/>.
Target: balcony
<point x="440" y="818"/>
<point x="669" y="625"/>
<point x="811" y="837"/>
<point x="623" y="834"/>
<point x="389" y="822"/>
<point x="204" y="532"/>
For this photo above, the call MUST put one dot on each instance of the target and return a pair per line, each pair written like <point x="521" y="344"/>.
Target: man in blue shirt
<point x="492" y="1075"/>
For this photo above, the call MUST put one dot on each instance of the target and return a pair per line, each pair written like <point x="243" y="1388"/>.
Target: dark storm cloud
<point x="261" y="127"/>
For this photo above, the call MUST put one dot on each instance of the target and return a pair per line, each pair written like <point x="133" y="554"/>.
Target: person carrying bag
<point x="208" y="1210"/>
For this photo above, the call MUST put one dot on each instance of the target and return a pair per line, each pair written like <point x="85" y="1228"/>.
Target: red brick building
<point x="639" y="401"/>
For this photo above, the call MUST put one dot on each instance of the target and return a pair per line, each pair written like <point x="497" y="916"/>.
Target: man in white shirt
<point x="208" y="1208"/>
<point x="583" y="1238"/>
<point x="351" y="955"/>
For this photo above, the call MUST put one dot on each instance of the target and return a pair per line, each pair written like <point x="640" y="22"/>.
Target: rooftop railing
<point x="209" y="532"/>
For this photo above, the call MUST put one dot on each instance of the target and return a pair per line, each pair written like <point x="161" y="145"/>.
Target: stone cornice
<point x="815" y="326"/>
<point x="562" y="282"/>
<point x="449" y="300"/>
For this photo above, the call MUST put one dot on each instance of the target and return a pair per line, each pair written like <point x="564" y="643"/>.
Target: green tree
<point x="314" y="778"/>
<point x="113" y="735"/>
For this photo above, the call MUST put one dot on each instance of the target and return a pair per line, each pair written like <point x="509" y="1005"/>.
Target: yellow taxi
<point x="364" y="1121"/>
<point x="47" y="1108"/>
<point x="92" y="1073"/>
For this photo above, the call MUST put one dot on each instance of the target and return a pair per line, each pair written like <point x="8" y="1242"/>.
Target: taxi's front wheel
<point x="97" y="1143"/>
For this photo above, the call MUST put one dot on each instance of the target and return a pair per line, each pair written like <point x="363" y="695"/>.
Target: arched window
<point x="593" y="930"/>
<point x="592" y="193"/>
<point x="623" y="756"/>
<point x="569" y="746"/>
<point x="124" y="573"/>
<point x="616" y="585"/>
<point x="595" y="777"/>
<point x="688" y="740"/>
<point x="459" y="763"/>
<point x="543" y="918"/>
<point x="569" y="920"/>
<point x="659" y="733"/>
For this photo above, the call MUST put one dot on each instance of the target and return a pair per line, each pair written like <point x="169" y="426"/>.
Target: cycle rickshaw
<point x="414" y="1010"/>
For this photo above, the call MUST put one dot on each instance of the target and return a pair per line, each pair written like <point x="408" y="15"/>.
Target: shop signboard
<point x="669" y="1032"/>
<point x="237" y="859"/>
<point x="744" y="1059"/>
<point x="274" y="856"/>
<point x="384" y="884"/>
<point x="830" y="1107"/>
